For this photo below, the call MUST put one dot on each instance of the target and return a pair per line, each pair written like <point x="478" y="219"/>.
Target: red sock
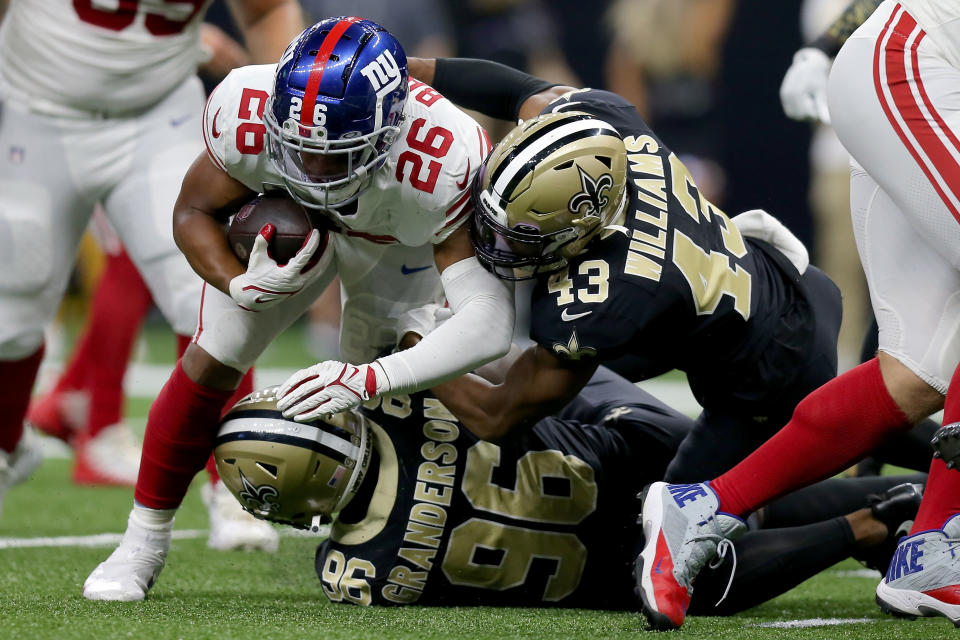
<point x="246" y="387"/>
<point x="182" y="343"/>
<point x="941" y="497"/>
<point x="16" y="380"/>
<point x="119" y="306"/>
<point x="831" y="428"/>
<point x="180" y="432"/>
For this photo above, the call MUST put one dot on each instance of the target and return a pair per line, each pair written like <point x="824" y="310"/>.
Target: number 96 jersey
<point x="420" y="194"/>
<point x="545" y="518"/>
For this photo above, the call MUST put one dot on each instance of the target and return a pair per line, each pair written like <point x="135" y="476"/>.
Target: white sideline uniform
<point x="895" y="105"/>
<point x="100" y="103"/>
<point x="383" y="252"/>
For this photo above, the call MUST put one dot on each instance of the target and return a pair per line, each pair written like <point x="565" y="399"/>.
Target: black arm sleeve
<point x="491" y="88"/>
<point x="844" y="26"/>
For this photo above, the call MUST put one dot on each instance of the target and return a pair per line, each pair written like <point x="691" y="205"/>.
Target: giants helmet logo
<point x="383" y="73"/>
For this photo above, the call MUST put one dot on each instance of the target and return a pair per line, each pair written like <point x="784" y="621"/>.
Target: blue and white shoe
<point x="684" y="530"/>
<point x="924" y="575"/>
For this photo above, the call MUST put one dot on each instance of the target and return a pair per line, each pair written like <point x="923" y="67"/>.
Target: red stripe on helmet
<point x="319" y="64"/>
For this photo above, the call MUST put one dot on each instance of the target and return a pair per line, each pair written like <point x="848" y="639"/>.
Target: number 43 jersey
<point x="420" y="194"/>
<point x="545" y="518"/>
<point x="674" y="285"/>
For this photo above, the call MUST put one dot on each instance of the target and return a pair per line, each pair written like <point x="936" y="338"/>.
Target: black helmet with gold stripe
<point x="546" y="190"/>
<point x="290" y="472"/>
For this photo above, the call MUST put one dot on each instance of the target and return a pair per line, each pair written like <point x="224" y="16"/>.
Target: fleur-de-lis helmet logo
<point x="592" y="199"/>
<point x="258" y="498"/>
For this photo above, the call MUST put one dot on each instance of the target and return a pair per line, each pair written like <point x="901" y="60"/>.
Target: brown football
<point x="289" y="218"/>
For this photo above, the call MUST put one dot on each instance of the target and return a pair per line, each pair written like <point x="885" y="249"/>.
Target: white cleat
<point x="133" y="567"/>
<point x="232" y="528"/>
<point x="112" y="457"/>
<point x="17" y="466"/>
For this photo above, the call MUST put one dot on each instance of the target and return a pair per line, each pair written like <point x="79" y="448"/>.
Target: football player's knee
<point x="16" y="345"/>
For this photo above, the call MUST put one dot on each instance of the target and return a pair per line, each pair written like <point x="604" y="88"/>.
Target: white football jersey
<point x="418" y="196"/>
<point x="941" y="20"/>
<point x="98" y="55"/>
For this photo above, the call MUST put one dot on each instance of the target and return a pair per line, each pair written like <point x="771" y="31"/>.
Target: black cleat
<point x="946" y="444"/>
<point x="896" y="507"/>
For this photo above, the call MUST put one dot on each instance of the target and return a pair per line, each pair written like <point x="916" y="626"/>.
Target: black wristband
<point x="491" y="88"/>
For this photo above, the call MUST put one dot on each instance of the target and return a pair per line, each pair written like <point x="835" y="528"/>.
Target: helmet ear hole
<point x="268" y="468"/>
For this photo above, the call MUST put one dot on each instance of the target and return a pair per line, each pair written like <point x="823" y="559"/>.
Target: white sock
<point x="153" y="519"/>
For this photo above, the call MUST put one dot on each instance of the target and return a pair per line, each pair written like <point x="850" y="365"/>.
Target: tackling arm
<point x="843" y="27"/>
<point x="479" y="331"/>
<point x="538" y="384"/>
<point x="491" y="88"/>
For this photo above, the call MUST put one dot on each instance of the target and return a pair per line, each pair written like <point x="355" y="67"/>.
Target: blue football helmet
<point x="336" y="108"/>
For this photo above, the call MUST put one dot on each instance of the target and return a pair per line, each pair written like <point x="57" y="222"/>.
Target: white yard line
<point x="812" y="622"/>
<point x="96" y="540"/>
<point x="110" y="539"/>
<point x="857" y="573"/>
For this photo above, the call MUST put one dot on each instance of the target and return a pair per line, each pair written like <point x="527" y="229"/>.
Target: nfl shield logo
<point x="16" y="155"/>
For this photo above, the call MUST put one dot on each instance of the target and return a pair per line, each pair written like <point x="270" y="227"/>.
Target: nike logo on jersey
<point x="566" y="316"/>
<point x="176" y="122"/>
<point x="466" y="177"/>
<point x="213" y="125"/>
<point x="405" y="270"/>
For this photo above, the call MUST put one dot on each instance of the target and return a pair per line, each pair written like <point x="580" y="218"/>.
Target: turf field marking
<point x="812" y="622"/>
<point x="96" y="540"/>
<point x="858" y="573"/>
<point x="109" y="539"/>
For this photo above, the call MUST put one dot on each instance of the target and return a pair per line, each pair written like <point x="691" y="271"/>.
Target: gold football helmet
<point x="290" y="472"/>
<point x="546" y="190"/>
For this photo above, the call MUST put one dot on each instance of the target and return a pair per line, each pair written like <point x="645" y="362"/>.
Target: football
<point x="291" y="221"/>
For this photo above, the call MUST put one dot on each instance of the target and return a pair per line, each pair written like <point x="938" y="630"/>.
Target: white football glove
<point x="803" y="91"/>
<point x="329" y="387"/>
<point x="265" y="284"/>
<point x="422" y="320"/>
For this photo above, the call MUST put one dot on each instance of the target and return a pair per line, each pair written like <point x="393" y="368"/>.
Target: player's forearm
<point x="844" y="26"/>
<point x="491" y="88"/>
<point x="203" y="242"/>
<point x="479" y="331"/>
<point x="481" y="407"/>
<point x="267" y="26"/>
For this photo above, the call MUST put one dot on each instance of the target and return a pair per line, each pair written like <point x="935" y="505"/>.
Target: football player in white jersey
<point x="387" y="164"/>
<point x="892" y="99"/>
<point x="100" y="104"/>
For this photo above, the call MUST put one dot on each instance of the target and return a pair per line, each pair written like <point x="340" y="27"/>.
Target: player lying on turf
<point x="387" y="163"/>
<point x="431" y="515"/>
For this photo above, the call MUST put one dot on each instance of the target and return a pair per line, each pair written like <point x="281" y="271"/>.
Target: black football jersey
<point x="547" y="517"/>
<point x="675" y="287"/>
